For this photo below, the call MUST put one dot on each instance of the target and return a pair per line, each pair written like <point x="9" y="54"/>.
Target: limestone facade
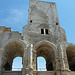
<point x="43" y="37"/>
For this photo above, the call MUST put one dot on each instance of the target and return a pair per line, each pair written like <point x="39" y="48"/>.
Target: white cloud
<point x="16" y="16"/>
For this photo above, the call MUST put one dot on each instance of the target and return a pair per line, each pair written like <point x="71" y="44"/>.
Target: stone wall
<point x="43" y="37"/>
<point x="12" y="73"/>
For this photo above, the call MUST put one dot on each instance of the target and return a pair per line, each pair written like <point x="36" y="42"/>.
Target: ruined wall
<point x="44" y="37"/>
<point x="7" y="34"/>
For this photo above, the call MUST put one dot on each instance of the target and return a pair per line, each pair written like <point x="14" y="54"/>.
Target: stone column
<point x="63" y="70"/>
<point x="29" y="69"/>
<point x="34" y="60"/>
<point x="63" y="58"/>
<point x="1" y="55"/>
<point x="27" y="61"/>
<point x="56" y="63"/>
<point x="31" y="56"/>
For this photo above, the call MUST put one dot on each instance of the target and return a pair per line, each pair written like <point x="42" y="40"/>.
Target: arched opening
<point x="46" y="51"/>
<point x="71" y="57"/>
<point x="12" y="50"/>
<point x="41" y="64"/>
<point x="17" y="64"/>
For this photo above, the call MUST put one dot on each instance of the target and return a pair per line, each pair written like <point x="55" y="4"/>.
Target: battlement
<point x="5" y="29"/>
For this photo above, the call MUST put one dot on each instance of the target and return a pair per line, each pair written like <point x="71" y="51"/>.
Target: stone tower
<point x="42" y="36"/>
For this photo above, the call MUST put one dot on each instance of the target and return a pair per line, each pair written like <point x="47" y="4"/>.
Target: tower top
<point x="31" y="0"/>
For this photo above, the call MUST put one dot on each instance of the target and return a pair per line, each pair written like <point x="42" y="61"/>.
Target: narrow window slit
<point x="42" y="31"/>
<point x="46" y="31"/>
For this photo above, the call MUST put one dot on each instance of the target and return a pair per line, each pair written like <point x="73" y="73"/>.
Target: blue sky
<point x="14" y="14"/>
<point x="17" y="64"/>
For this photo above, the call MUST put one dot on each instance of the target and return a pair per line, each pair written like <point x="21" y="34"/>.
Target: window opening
<point x="41" y="64"/>
<point x="56" y="23"/>
<point x="17" y="64"/>
<point x="42" y="31"/>
<point x="30" y="21"/>
<point x="46" y="31"/>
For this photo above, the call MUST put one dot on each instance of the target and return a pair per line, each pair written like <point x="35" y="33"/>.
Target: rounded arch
<point x="70" y="51"/>
<point x="45" y="42"/>
<point x="12" y="49"/>
<point x="17" y="40"/>
<point x="47" y="50"/>
<point x="43" y="25"/>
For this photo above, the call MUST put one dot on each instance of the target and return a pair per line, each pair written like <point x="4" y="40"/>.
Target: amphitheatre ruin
<point x="42" y="36"/>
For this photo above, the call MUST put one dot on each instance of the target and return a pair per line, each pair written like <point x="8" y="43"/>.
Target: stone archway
<point x="70" y="51"/>
<point x="47" y="50"/>
<point x="12" y="50"/>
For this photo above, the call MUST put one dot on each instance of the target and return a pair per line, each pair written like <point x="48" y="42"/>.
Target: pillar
<point x="34" y="60"/>
<point x="1" y="55"/>
<point x="63" y="69"/>
<point x="63" y="58"/>
<point x="27" y="61"/>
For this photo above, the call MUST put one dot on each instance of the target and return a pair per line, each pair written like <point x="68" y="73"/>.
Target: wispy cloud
<point x="16" y="18"/>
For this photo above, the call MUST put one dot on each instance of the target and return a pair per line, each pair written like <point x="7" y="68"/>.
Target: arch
<point x="45" y="42"/>
<point x="11" y="50"/>
<point x="10" y="40"/>
<point x="44" y="26"/>
<point x="47" y="50"/>
<point x="70" y="51"/>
